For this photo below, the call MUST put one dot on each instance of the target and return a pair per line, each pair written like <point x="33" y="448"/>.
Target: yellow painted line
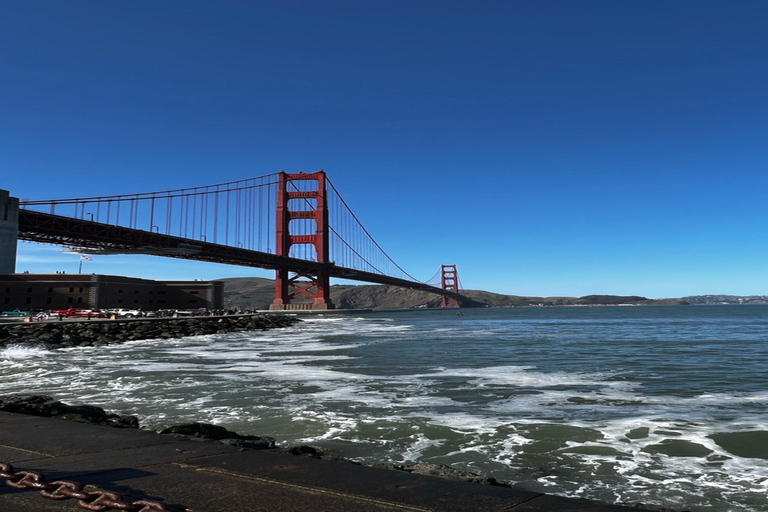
<point x="49" y="455"/>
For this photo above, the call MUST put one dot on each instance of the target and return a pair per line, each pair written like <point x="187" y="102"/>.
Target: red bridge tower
<point x="309" y="290"/>
<point x="450" y="282"/>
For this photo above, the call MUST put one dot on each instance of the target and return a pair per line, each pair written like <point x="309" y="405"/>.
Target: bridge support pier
<point x="9" y="232"/>
<point x="302" y="197"/>
<point x="450" y="281"/>
<point x="301" y="291"/>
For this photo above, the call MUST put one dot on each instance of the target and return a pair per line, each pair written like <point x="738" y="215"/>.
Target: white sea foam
<point x="418" y="444"/>
<point x="19" y="352"/>
<point x="524" y="376"/>
<point x="467" y="423"/>
<point x="396" y="390"/>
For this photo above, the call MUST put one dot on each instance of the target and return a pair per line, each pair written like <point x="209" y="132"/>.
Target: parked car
<point x="16" y="312"/>
<point x="126" y="313"/>
<point x="83" y="313"/>
<point x="192" y="312"/>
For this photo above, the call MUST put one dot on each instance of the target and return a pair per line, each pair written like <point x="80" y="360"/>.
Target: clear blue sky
<point x="545" y="147"/>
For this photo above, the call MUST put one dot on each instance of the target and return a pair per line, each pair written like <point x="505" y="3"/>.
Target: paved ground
<point x="208" y="476"/>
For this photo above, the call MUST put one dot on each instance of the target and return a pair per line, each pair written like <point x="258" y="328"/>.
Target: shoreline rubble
<point x="105" y="332"/>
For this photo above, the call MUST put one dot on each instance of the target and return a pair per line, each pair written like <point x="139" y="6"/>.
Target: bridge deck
<point x="210" y="477"/>
<point x="109" y="239"/>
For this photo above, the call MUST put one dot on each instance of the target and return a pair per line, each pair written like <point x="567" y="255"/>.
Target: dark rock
<point x="307" y="451"/>
<point x="261" y="444"/>
<point x="443" y="471"/>
<point x="200" y="430"/>
<point x="12" y="403"/>
<point x="42" y="405"/>
<point x="216" y="433"/>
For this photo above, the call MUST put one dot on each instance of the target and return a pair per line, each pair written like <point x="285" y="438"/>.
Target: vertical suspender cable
<point x="194" y="214"/>
<point x="169" y="214"/>
<point x="184" y="212"/>
<point x="259" y="225"/>
<point x="226" y="219"/>
<point x="152" y="213"/>
<point x="237" y="217"/>
<point x="204" y="222"/>
<point x="270" y="193"/>
<point x="249" y="193"/>
<point x="216" y="216"/>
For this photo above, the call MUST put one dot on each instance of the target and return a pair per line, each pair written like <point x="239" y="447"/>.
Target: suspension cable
<point x="368" y="234"/>
<point x="148" y="195"/>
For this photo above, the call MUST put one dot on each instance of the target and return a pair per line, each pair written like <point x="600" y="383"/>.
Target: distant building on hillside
<point x="62" y="291"/>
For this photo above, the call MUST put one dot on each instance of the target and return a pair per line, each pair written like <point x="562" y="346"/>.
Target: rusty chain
<point x="97" y="499"/>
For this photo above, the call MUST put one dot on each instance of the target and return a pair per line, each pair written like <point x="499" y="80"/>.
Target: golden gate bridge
<point x="294" y="223"/>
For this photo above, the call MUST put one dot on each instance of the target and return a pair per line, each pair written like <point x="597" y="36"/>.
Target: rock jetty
<point x="104" y="332"/>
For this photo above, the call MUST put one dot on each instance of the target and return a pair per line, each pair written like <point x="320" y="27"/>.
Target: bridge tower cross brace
<point x="450" y="282"/>
<point x="302" y="289"/>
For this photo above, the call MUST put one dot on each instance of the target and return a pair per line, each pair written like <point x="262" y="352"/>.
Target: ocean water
<point x="662" y="405"/>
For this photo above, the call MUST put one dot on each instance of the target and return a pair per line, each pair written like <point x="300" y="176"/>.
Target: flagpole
<point x="80" y="267"/>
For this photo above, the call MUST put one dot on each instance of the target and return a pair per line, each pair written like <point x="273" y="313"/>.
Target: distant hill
<point x="257" y="293"/>
<point x="726" y="299"/>
<point x="496" y="299"/>
<point x="248" y="292"/>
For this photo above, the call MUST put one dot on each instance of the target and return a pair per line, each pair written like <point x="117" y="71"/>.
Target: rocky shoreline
<point x="104" y="332"/>
<point x="46" y="406"/>
<point x="42" y="405"/>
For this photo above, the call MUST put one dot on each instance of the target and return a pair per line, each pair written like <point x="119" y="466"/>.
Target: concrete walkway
<point x="208" y="476"/>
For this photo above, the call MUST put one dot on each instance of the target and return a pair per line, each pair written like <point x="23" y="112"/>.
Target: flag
<point x="84" y="257"/>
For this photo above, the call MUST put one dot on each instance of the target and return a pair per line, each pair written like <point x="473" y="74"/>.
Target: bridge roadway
<point x="103" y="238"/>
<point x="208" y="476"/>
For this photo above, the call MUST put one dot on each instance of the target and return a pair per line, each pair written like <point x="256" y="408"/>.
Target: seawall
<point x="103" y="332"/>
